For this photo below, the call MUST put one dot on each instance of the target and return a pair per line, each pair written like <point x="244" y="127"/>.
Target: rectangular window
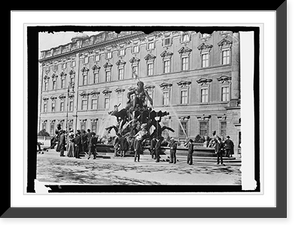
<point x="186" y="38"/>
<point x="167" y="41"/>
<point x="223" y="126"/>
<point x="106" y="103"/>
<point x="203" y="128"/>
<point x="150" y="93"/>
<point x="151" y="46"/>
<point x="72" y="80"/>
<point x="121" y="73"/>
<point x="63" y="82"/>
<point x="205" y="60"/>
<point x="120" y="98"/>
<point x="184" y="96"/>
<point x="54" y="85"/>
<point x="46" y="86"/>
<point x="94" y="103"/>
<point x="150" y="69"/>
<point x="53" y="106"/>
<point x="167" y="66"/>
<point x="166" y="99"/>
<point x="135" y="49"/>
<point x="107" y="76"/>
<point x="96" y="77"/>
<point x="225" y="57"/>
<point x="109" y="55"/>
<point x="134" y="71"/>
<point x="51" y="129"/>
<point x="73" y="64"/>
<point x="64" y="66"/>
<point x="82" y="125"/>
<point x="185" y="63"/>
<point x="183" y="128"/>
<point x="44" y="126"/>
<point x="94" y="126"/>
<point x="84" y="104"/>
<point x="97" y="58"/>
<point x="86" y="59"/>
<point x="204" y="95"/>
<point x="122" y="52"/>
<point x="71" y="106"/>
<point x="45" y="107"/>
<point x="84" y="80"/>
<point x="225" y="94"/>
<point x="61" y="106"/>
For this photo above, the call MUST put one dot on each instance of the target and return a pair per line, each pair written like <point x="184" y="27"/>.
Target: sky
<point x="49" y="40"/>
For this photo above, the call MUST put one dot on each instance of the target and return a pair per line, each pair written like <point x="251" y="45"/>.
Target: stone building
<point x="194" y="76"/>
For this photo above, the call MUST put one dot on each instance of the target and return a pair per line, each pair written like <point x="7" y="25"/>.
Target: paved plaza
<point x="51" y="168"/>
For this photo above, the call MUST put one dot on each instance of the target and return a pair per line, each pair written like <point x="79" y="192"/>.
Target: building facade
<point x="193" y="76"/>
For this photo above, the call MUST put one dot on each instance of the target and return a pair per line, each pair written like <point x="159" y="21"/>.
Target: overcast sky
<point x="49" y="40"/>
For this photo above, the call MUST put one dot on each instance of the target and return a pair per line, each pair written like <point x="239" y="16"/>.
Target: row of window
<point x="203" y="128"/>
<point x="184" y="99"/>
<point x="150" y="71"/>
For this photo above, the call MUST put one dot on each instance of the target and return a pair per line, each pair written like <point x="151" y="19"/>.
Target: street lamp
<point x="70" y="87"/>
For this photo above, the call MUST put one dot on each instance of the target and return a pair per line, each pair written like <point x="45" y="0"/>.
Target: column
<point x="235" y="75"/>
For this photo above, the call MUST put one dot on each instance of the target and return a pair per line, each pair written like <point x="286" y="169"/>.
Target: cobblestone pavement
<point x="52" y="168"/>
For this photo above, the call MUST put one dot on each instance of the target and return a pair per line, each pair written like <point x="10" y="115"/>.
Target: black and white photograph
<point x="140" y="108"/>
<point x="148" y="114"/>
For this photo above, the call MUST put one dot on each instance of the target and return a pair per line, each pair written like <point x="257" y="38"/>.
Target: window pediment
<point x="224" y="43"/>
<point x="224" y="79"/>
<point x="120" y="62"/>
<point x="134" y="60"/>
<point x="204" y="81"/>
<point x="106" y="92"/>
<point x="184" y="50"/>
<point x="165" y="85"/>
<point x="166" y="54"/>
<point x="149" y="57"/>
<point x="204" y="47"/>
<point x="184" y="83"/>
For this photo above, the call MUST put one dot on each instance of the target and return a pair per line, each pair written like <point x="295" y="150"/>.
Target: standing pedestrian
<point x="92" y="145"/>
<point x="190" y="152"/>
<point x="84" y="143"/>
<point x="77" y="145"/>
<point x="229" y="147"/>
<point x="152" y="147"/>
<point x="70" y="150"/>
<point x="173" y="148"/>
<point x="123" y="145"/>
<point x="62" y="143"/>
<point x="218" y="150"/>
<point x="158" y="148"/>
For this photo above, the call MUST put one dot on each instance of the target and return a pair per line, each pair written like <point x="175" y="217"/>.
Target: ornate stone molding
<point x="224" y="79"/>
<point x="149" y="87"/>
<point x="54" y="77"/>
<point x="120" y="62"/>
<point x="224" y="43"/>
<point x="204" y="47"/>
<point x="184" y="83"/>
<point x="149" y="57"/>
<point x="94" y="93"/>
<point x="184" y="50"/>
<point x="165" y="85"/>
<point x="106" y="92"/>
<point x="119" y="90"/>
<point x="53" y="98"/>
<point x="203" y="117"/>
<point x="166" y="53"/>
<point x="63" y="74"/>
<point x="204" y="81"/>
<point x="62" y="96"/>
<point x="222" y="117"/>
<point x="96" y="68"/>
<point x="84" y="94"/>
<point x="84" y="70"/>
<point x="134" y="60"/>
<point x="46" y="98"/>
<point x="107" y="65"/>
<point x="72" y="72"/>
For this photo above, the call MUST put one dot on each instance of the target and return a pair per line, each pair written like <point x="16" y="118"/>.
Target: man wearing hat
<point x="229" y="147"/>
<point x="173" y="148"/>
<point x="77" y="144"/>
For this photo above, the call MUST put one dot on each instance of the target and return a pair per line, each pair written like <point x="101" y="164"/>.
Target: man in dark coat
<point x="228" y="146"/>
<point x="190" y="152"/>
<point x="219" y="150"/>
<point x="84" y="144"/>
<point x="92" y="145"/>
<point x="158" y="148"/>
<point x="77" y="144"/>
<point x="173" y="148"/>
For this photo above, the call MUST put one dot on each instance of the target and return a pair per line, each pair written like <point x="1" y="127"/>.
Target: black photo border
<point x="187" y="212"/>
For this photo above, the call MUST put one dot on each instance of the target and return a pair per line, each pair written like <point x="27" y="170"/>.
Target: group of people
<point x="225" y="147"/>
<point x="75" y="144"/>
